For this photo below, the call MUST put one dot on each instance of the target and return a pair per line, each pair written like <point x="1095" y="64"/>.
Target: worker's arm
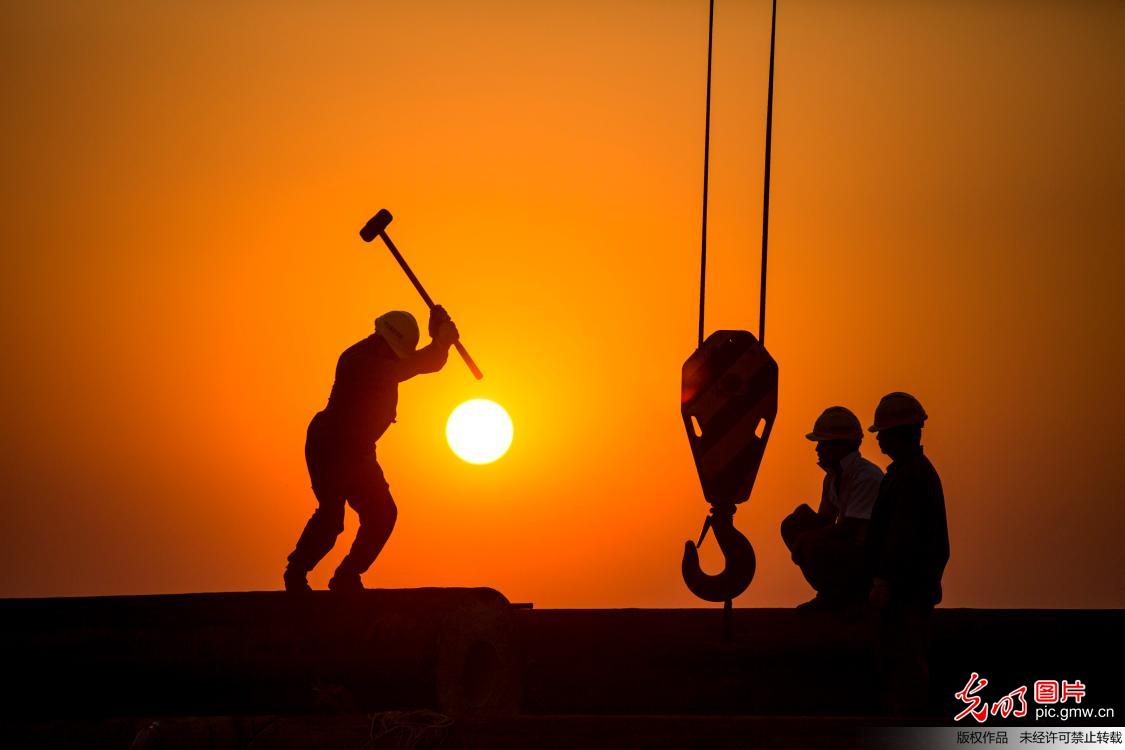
<point x="433" y="356"/>
<point x="826" y="509"/>
<point x="935" y="553"/>
<point x="908" y="550"/>
<point x="880" y="594"/>
<point x="861" y="491"/>
<point x="894" y="559"/>
<point x="429" y="358"/>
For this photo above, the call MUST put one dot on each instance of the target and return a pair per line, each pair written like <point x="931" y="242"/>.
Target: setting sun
<point x="479" y="431"/>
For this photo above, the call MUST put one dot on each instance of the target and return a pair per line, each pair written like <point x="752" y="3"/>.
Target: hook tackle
<point x="741" y="562"/>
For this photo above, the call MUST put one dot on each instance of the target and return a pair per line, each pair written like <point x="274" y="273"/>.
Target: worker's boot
<point x="295" y="580"/>
<point x="345" y="581"/>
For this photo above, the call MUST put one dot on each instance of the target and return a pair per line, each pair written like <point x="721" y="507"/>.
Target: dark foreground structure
<point x="465" y="668"/>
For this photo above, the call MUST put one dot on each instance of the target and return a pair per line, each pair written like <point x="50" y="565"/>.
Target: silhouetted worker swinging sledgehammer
<point x="340" y="446"/>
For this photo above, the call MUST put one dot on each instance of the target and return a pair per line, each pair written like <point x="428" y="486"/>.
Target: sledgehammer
<point x="377" y="227"/>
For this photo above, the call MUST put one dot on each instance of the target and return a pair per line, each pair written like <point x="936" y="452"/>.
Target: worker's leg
<point x="377" y="513"/>
<point x="904" y="637"/>
<point x="327" y="521"/>
<point x="834" y="566"/>
<point x="318" y="537"/>
<point x="828" y="563"/>
<point x="796" y="525"/>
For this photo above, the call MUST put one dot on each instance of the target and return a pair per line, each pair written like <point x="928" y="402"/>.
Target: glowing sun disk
<point x="479" y="431"/>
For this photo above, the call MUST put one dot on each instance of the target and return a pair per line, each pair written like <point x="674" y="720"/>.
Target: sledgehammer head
<point x="376" y="226"/>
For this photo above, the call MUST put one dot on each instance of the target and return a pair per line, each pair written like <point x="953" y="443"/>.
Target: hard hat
<point x="400" y="330"/>
<point x="836" y="423"/>
<point x="897" y="409"/>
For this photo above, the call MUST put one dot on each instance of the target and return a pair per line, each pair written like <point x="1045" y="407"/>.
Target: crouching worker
<point x="340" y="447"/>
<point x="829" y="544"/>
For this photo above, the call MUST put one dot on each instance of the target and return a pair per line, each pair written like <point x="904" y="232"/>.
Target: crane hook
<point x="737" y="551"/>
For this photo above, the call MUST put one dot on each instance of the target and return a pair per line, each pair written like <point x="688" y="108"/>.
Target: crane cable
<point x="765" y="189"/>
<point x="706" y="165"/>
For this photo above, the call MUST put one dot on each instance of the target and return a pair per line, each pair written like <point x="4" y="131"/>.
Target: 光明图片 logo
<point x="1050" y="697"/>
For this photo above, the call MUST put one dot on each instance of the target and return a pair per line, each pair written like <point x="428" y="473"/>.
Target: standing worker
<point x="829" y="544"/>
<point x="340" y="446"/>
<point x="909" y="547"/>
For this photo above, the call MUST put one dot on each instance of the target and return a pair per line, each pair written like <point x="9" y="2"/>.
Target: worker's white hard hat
<point x="897" y="409"/>
<point x="836" y="423"/>
<point x="400" y="330"/>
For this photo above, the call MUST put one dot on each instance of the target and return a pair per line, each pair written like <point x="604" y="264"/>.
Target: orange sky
<point x="182" y="187"/>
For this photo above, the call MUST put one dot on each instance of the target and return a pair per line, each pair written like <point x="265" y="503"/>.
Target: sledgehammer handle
<point x="429" y="302"/>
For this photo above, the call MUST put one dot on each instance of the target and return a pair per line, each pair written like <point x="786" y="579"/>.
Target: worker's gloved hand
<point x="880" y="595"/>
<point x="447" y="333"/>
<point x="438" y="316"/>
